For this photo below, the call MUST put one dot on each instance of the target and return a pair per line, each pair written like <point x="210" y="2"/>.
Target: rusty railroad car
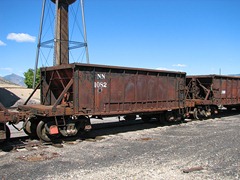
<point x="4" y="130"/>
<point x="72" y="93"/>
<point x="209" y="92"/>
<point x="5" y="117"/>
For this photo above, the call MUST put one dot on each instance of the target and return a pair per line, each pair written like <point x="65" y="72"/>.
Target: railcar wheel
<point x="8" y="133"/>
<point x="195" y="113"/>
<point x="169" y="116"/>
<point x="173" y="117"/>
<point x="42" y="132"/>
<point x="161" y="118"/>
<point x="145" y="118"/>
<point x="30" y="128"/>
<point x="5" y="128"/>
<point x="83" y="125"/>
<point x="130" y="117"/>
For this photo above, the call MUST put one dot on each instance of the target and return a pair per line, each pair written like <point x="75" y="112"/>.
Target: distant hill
<point x="4" y="81"/>
<point x="15" y="79"/>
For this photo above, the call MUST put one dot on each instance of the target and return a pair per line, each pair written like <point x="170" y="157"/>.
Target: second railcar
<point x="209" y="92"/>
<point x="72" y="93"/>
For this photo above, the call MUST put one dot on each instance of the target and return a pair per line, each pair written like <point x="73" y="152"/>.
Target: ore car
<point x="209" y="92"/>
<point x="72" y="93"/>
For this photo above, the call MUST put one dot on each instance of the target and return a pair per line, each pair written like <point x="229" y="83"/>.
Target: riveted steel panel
<point x="214" y="89"/>
<point x="109" y="90"/>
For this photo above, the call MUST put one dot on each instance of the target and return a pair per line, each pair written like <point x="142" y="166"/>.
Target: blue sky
<point x="194" y="36"/>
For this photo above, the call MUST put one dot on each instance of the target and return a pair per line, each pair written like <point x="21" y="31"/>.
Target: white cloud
<point x="179" y="65"/>
<point x="162" y="68"/>
<point x="2" y="43"/>
<point x="167" y="69"/>
<point x="21" y="37"/>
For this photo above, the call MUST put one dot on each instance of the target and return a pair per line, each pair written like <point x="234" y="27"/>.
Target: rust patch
<point x="39" y="156"/>
<point x="145" y="139"/>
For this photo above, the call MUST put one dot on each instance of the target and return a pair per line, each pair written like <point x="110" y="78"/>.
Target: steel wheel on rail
<point x="173" y="116"/>
<point x="83" y="125"/>
<point x="8" y="133"/>
<point x="44" y="128"/>
<point x="146" y="118"/>
<point x="130" y="117"/>
<point x="5" y="128"/>
<point x="170" y="116"/>
<point x="195" y="114"/>
<point x="42" y="132"/>
<point x="30" y="128"/>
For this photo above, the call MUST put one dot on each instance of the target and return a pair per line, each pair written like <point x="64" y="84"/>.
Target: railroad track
<point x="19" y="143"/>
<point x="23" y="143"/>
<point x="99" y="131"/>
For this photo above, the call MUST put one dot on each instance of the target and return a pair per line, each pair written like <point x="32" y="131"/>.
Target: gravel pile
<point x="12" y="95"/>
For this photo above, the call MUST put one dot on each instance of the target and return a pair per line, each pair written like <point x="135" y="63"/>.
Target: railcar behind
<point x="209" y="92"/>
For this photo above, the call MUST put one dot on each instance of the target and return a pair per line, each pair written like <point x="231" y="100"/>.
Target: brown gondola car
<point x="5" y="116"/>
<point x="72" y="93"/>
<point x="209" y="92"/>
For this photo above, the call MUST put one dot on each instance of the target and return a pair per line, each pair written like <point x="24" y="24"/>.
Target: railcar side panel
<point x="107" y="90"/>
<point x="214" y="89"/>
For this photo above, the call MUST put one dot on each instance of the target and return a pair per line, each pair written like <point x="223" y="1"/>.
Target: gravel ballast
<point x="206" y="149"/>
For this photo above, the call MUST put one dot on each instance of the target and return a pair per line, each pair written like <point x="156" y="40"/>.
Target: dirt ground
<point x="208" y="149"/>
